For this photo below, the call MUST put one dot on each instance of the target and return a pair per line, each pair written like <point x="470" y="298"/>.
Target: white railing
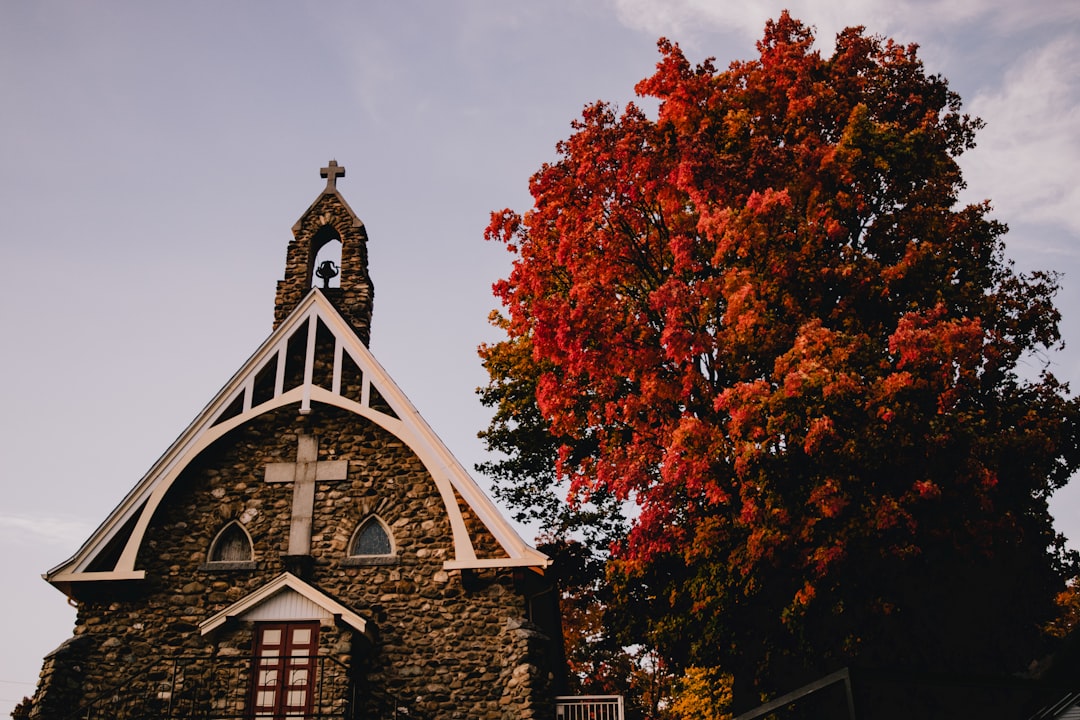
<point x="589" y="707"/>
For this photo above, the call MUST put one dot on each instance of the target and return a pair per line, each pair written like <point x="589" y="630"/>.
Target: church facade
<point x="307" y="547"/>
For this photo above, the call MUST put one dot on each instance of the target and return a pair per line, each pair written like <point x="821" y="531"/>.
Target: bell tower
<point x="329" y="220"/>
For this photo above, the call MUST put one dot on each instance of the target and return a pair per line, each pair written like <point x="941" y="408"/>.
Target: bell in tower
<point x="329" y="221"/>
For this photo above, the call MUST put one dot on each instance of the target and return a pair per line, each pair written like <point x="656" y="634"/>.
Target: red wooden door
<point x="284" y="672"/>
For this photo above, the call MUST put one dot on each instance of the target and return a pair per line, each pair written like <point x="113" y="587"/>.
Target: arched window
<point x="372" y="544"/>
<point x="232" y="545"/>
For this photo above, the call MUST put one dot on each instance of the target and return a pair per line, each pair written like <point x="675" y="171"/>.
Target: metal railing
<point x="217" y="688"/>
<point x="589" y="707"/>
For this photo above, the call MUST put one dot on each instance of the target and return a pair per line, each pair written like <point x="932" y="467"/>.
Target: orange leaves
<point x="679" y="86"/>
<point x="759" y="317"/>
<point x="819" y="358"/>
<point x="690" y="461"/>
<point x="926" y="489"/>
<point x="556" y="406"/>
<point x="821" y="431"/>
<point x="770" y="202"/>
<point x="930" y="337"/>
<point x="887" y="513"/>
<point x="744" y="405"/>
<point x="504" y="225"/>
<point x="828" y="499"/>
<point x="805" y="594"/>
<point x="945" y="353"/>
<point x="1068" y="618"/>
<point x="823" y="559"/>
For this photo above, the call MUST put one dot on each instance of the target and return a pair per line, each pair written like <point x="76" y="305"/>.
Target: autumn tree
<point x="763" y="320"/>
<point x="576" y="536"/>
<point x="704" y="694"/>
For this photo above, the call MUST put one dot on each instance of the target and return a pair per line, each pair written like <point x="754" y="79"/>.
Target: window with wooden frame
<point x="231" y="549"/>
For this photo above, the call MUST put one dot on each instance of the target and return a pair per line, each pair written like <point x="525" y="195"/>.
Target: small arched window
<point x="372" y="544"/>
<point x="232" y="545"/>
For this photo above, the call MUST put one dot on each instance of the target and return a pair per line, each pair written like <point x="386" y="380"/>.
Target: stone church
<point x="308" y="547"/>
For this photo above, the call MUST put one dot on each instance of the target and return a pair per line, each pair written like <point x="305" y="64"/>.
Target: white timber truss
<point x="261" y="386"/>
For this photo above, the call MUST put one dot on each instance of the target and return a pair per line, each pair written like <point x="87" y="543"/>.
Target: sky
<point x="154" y="156"/>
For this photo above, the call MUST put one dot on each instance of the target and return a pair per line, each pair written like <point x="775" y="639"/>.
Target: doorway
<point x="283" y="677"/>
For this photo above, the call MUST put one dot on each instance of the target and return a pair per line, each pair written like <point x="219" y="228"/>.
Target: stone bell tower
<point x="329" y="220"/>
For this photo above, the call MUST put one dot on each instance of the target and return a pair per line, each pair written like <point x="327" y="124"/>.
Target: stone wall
<point x="62" y="676"/>
<point x="447" y="646"/>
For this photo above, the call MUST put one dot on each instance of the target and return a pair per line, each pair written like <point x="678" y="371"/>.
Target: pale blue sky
<point x="155" y="155"/>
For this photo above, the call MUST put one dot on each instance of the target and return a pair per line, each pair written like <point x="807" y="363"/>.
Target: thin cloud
<point x="1026" y="156"/>
<point x="38" y="530"/>
<point x="907" y="20"/>
<point x="1029" y="150"/>
<point x="684" y="19"/>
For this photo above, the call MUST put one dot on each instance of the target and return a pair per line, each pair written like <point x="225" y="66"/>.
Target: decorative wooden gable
<point x="287" y="597"/>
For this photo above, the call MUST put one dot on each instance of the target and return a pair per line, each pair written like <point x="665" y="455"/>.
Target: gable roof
<point x="331" y="195"/>
<point x="262" y="385"/>
<point x="287" y="597"/>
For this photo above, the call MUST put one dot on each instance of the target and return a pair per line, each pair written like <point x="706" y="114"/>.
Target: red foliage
<point x="763" y="320"/>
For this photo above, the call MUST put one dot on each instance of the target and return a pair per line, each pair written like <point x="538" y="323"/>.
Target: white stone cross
<point x="304" y="473"/>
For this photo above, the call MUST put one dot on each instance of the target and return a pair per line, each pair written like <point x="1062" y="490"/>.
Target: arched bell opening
<point x="325" y="263"/>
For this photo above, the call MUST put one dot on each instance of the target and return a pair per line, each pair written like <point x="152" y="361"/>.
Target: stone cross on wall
<point x="303" y="474"/>
<point x="332" y="172"/>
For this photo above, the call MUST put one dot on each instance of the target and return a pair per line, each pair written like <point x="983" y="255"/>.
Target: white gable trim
<point x="317" y="606"/>
<point x="212" y="423"/>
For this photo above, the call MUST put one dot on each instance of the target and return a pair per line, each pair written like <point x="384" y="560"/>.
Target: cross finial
<point x="332" y="172"/>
